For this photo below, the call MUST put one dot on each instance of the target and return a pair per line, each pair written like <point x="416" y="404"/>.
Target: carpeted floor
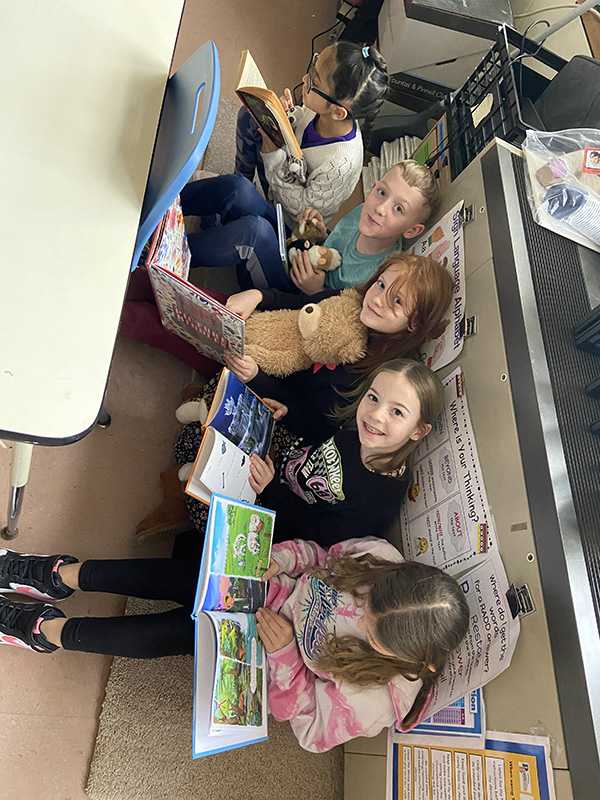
<point x="144" y="743"/>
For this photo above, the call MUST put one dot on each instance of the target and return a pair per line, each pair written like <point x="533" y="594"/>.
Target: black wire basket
<point x="498" y="99"/>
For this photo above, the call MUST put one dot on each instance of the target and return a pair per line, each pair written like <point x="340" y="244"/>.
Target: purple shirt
<point x="310" y="137"/>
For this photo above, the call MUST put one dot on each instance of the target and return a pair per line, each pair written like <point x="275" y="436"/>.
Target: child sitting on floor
<point x="353" y="482"/>
<point x="379" y="631"/>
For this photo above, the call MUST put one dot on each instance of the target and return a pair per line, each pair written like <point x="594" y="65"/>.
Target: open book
<point x="230" y="676"/>
<point x="238" y="424"/>
<point x="195" y="316"/>
<point x="265" y="106"/>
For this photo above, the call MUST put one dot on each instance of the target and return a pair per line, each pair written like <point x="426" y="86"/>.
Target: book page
<point x="240" y="415"/>
<point x="237" y="550"/>
<point x="248" y="73"/>
<point x="239" y="684"/>
<point x="221" y="467"/>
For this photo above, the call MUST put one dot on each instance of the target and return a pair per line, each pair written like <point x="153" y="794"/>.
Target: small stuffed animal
<point x="287" y="341"/>
<point x="324" y="258"/>
<point x="307" y="231"/>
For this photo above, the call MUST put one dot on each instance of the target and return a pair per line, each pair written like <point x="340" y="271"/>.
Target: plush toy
<point x="287" y="341"/>
<point x="324" y="258"/>
<point x="307" y="231"/>
<point x="307" y="236"/>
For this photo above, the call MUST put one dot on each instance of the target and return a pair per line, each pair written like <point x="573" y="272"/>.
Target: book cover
<point x="168" y="247"/>
<point x="195" y="316"/>
<point x="239" y="423"/>
<point x="230" y="683"/>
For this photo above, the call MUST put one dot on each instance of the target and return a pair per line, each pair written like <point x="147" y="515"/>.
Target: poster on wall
<point x="444" y="242"/>
<point x="445" y="517"/>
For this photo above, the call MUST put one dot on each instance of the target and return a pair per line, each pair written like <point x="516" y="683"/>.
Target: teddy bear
<point x="307" y="236"/>
<point x="289" y="340"/>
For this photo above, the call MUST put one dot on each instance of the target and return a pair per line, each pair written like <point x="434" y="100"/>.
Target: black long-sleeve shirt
<point x="326" y="494"/>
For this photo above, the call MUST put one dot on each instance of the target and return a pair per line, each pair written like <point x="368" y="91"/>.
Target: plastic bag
<point x="563" y="170"/>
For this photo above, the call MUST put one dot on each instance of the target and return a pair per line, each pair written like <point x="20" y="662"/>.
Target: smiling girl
<point x="353" y="483"/>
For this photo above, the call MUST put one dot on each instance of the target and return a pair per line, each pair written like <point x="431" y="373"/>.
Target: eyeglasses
<point x="313" y="88"/>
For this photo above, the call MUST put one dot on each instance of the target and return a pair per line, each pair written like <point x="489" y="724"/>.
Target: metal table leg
<point x="19" y="474"/>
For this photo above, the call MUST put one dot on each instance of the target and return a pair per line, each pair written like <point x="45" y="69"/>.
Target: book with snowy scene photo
<point x="239" y="423"/>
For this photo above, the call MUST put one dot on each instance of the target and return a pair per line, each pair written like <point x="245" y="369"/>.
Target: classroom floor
<point x="86" y="498"/>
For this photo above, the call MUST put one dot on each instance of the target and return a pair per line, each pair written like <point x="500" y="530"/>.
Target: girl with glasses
<point x="345" y="83"/>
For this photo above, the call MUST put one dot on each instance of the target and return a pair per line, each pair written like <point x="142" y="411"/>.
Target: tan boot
<point x="172" y="515"/>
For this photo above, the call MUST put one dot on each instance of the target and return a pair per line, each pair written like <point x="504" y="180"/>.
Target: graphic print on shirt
<point x="315" y="473"/>
<point x="318" y="613"/>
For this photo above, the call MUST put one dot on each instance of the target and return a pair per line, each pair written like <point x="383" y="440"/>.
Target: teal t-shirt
<point x="355" y="267"/>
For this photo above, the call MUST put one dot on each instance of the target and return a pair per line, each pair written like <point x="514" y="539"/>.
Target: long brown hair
<point x="428" y="287"/>
<point x="430" y="393"/>
<point x="420" y="616"/>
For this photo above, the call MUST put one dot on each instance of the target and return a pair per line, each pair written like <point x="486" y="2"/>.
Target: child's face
<point x="377" y="313"/>
<point x="393" y="209"/>
<point x="389" y="415"/>
<point x="321" y="70"/>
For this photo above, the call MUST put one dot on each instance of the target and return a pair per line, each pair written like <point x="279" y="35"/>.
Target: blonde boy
<point x="397" y="206"/>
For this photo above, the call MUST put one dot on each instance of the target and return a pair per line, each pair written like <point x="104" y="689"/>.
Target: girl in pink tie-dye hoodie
<point x="355" y="637"/>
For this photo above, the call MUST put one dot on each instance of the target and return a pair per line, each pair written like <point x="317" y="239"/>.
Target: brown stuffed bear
<point x="287" y="341"/>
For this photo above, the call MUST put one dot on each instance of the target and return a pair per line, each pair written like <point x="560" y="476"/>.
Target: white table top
<point x="81" y="87"/>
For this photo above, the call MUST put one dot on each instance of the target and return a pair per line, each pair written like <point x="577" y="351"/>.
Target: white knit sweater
<point x="333" y="172"/>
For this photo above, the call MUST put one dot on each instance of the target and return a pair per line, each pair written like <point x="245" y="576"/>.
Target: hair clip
<point x="365" y="51"/>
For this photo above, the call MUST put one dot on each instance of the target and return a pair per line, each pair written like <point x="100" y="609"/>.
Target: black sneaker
<point x="20" y="624"/>
<point x="36" y="576"/>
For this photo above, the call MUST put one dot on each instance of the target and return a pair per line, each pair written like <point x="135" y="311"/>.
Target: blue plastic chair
<point x="181" y="139"/>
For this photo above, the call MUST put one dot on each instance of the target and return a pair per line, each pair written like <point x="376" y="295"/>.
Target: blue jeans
<point x="245" y="236"/>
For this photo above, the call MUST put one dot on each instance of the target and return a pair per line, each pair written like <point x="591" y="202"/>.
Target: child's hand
<point x="312" y="214"/>
<point x="287" y="101"/>
<point x="244" y="303"/>
<point x="245" y="367"/>
<point x="268" y="145"/>
<point x="274" y="631"/>
<point x="261" y="472"/>
<point x="272" y="570"/>
<point x="279" y="409"/>
<point x="308" y="279"/>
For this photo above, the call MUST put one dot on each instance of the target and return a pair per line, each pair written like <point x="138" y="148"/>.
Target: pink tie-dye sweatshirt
<point x="325" y="712"/>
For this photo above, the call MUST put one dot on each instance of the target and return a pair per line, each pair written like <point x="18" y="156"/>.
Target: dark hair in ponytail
<point x="360" y="80"/>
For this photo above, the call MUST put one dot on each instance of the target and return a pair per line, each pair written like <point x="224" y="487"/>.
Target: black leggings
<point x="143" y="635"/>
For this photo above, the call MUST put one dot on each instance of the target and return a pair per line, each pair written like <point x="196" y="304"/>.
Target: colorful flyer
<point x="445" y="517"/>
<point x="511" y="767"/>
<point x="464" y="718"/>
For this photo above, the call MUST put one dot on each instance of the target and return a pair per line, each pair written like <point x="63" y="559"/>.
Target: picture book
<point x="230" y="674"/>
<point x="195" y="316"/>
<point x="265" y="106"/>
<point x="168" y="246"/>
<point x="239" y="423"/>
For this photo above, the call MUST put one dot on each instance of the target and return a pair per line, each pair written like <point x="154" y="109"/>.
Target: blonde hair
<point x="420" y="177"/>
<point x="428" y="288"/>
<point x="430" y="393"/>
<point x="420" y="616"/>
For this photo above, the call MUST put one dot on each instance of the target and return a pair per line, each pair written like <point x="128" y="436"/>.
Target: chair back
<point x="182" y="136"/>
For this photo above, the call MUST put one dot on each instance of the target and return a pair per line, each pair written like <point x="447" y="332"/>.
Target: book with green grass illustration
<point x="230" y="684"/>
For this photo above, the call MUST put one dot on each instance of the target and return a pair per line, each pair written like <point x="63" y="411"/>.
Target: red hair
<point x="428" y="287"/>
